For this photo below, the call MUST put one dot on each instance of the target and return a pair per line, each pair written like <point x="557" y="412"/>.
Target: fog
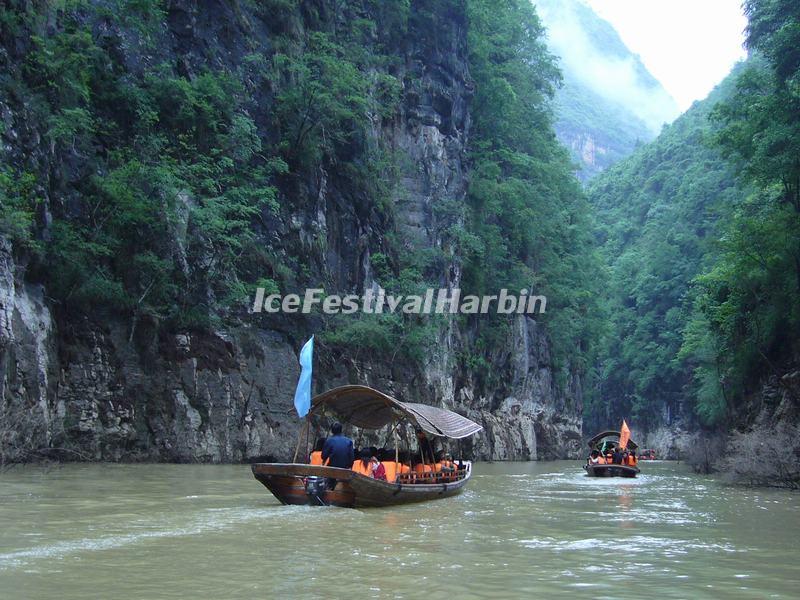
<point x="594" y="55"/>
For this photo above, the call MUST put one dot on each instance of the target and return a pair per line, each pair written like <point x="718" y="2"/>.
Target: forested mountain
<point x="162" y="160"/>
<point x="701" y="230"/>
<point x="609" y="102"/>
<point x="658" y="218"/>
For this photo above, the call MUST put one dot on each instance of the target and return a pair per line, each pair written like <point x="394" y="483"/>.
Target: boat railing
<point x="431" y="477"/>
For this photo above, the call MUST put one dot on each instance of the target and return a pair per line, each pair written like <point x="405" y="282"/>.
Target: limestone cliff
<point x="100" y="388"/>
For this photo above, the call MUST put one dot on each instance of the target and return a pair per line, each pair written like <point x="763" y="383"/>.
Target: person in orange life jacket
<point x="443" y="464"/>
<point x="595" y="458"/>
<point x="632" y="458"/>
<point x="363" y="464"/>
<point x="423" y="472"/>
<point x="387" y="457"/>
<point x="315" y="458"/>
<point x="405" y="463"/>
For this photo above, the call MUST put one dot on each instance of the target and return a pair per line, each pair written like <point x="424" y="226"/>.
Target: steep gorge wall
<point x="90" y="388"/>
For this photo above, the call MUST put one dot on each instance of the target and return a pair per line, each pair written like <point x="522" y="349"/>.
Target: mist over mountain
<point x="609" y="102"/>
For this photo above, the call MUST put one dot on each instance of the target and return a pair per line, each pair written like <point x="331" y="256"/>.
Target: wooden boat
<point x="366" y="408"/>
<point x="601" y="442"/>
<point x="647" y="454"/>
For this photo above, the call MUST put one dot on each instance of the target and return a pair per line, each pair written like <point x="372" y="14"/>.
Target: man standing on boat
<point x="339" y="448"/>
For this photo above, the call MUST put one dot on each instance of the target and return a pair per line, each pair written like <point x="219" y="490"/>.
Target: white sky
<point x="688" y="45"/>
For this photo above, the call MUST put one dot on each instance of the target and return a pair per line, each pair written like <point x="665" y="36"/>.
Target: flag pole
<point x="302" y="395"/>
<point x="303" y="431"/>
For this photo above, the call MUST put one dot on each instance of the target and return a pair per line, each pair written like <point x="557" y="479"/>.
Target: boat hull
<point x="611" y="471"/>
<point x="288" y="483"/>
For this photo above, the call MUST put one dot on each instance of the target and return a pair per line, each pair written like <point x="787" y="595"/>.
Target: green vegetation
<point x="701" y="229"/>
<point x="17" y="205"/>
<point x="163" y="169"/>
<point x="173" y="169"/>
<point x="746" y="321"/>
<point x="657" y="214"/>
<point x="606" y="122"/>
<point x="171" y="176"/>
<point x="527" y="223"/>
<point x="164" y="185"/>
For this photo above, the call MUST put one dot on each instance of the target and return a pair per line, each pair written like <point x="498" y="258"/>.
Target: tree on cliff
<point x="528" y="220"/>
<point x="749" y="300"/>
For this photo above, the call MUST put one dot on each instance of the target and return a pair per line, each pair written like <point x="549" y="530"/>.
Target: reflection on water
<point x="176" y="531"/>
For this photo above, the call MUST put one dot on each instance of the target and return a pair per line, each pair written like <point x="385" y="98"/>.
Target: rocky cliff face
<point x="93" y="388"/>
<point x="765" y="424"/>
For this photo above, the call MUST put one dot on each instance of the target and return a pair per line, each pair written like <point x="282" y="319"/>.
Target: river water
<point x="520" y="530"/>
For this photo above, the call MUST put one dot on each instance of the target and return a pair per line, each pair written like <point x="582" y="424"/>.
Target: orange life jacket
<point x="631" y="460"/>
<point x="403" y="469"/>
<point x="362" y="469"/>
<point x="421" y="469"/>
<point x="391" y="470"/>
<point x="448" y="469"/>
<point x="316" y="459"/>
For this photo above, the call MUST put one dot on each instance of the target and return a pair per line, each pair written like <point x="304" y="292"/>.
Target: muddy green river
<point x="520" y="530"/>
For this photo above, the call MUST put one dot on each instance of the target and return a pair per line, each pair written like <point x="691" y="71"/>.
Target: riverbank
<point x="764" y="455"/>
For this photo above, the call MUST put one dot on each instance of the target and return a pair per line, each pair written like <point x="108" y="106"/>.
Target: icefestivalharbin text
<point x="377" y="301"/>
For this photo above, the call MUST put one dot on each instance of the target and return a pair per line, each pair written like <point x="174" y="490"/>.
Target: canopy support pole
<point x="396" y="444"/>
<point x="360" y="436"/>
<point x="424" y="464"/>
<point x="308" y="433"/>
<point x="303" y="430"/>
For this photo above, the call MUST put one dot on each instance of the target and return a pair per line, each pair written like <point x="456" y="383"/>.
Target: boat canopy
<point x="593" y="442"/>
<point x="367" y="408"/>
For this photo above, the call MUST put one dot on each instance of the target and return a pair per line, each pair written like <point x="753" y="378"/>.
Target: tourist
<point x="387" y="457"/>
<point x="404" y="468"/>
<point x="363" y="464"/>
<point x="445" y="466"/>
<point x="338" y="449"/>
<point x="377" y="470"/>
<point x="315" y="458"/>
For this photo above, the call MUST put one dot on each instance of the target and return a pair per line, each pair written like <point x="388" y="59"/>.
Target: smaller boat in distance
<point x="603" y="444"/>
<point x="647" y="454"/>
<point x="369" y="409"/>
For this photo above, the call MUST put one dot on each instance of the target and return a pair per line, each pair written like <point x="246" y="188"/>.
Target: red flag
<point x="624" y="435"/>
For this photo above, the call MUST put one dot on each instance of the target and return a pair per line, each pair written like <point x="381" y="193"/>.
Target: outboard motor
<point x="315" y="489"/>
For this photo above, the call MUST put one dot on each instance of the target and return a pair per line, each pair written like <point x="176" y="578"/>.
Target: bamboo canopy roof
<point x="368" y="408"/>
<point x="593" y="442"/>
